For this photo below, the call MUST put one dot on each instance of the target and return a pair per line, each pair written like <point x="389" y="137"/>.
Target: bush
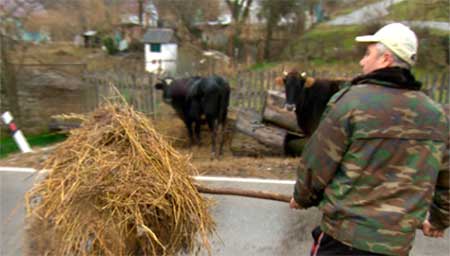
<point x="111" y="47"/>
<point x="136" y="46"/>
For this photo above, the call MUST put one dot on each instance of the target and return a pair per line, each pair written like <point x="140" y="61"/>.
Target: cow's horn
<point x="168" y="80"/>
<point x="285" y="73"/>
<point x="303" y="74"/>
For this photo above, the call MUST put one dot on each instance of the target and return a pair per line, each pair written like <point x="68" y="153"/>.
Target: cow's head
<point x="164" y="85"/>
<point x="294" y="82"/>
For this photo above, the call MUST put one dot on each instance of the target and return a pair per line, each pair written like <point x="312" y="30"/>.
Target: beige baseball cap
<point x="399" y="38"/>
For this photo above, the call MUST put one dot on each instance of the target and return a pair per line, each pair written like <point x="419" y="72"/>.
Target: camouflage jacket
<point x="373" y="164"/>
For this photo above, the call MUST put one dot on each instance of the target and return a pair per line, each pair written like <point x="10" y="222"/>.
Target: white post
<point x="16" y="133"/>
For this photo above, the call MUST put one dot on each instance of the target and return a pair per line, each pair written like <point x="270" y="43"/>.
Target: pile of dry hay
<point x="116" y="187"/>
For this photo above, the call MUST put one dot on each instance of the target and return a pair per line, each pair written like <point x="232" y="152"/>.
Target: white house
<point x="160" y="50"/>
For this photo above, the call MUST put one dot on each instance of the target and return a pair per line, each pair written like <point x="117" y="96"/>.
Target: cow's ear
<point x="279" y="81"/>
<point x="159" y="86"/>
<point x="309" y="82"/>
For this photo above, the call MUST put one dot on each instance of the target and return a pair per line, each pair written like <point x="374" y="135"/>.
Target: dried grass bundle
<point x="116" y="187"/>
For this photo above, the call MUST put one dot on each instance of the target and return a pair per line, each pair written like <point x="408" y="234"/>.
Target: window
<point x="155" y="47"/>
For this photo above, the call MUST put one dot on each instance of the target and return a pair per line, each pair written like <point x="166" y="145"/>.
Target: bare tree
<point x="273" y="11"/>
<point x="187" y="12"/>
<point x="66" y="18"/>
<point x="14" y="14"/>
<point x="140" y="11"/>
<point x="239" y="13"/>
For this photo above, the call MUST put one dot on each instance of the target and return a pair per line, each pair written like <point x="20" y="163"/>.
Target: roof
<point x="159" y="35"/>
<point x="129" y="20"/>
<point x="90" y="33"/>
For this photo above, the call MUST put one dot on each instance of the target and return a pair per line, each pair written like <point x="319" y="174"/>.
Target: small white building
<point x="160" y="50"/>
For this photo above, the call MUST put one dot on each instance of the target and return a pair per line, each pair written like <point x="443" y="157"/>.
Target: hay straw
<point x="116" y="187"/>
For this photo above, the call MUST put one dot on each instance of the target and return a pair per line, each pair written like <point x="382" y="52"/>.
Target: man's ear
<point x="388" y="58"/>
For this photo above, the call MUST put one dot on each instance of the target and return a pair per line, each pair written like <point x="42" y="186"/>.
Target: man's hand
<point x="293" y="204"/>
<point x="429" y="230"/>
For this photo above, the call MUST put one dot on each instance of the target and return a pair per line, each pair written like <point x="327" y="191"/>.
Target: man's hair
<point x="397" y="61"/>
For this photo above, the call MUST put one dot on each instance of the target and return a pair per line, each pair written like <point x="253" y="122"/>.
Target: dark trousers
<point x="325" y="245"/>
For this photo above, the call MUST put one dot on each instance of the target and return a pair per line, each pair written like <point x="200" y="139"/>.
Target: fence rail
<point x="248" y="88"/>
<point x="136" y="89"/>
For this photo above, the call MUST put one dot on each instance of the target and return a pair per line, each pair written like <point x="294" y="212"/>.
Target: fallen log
<point x="249" y="123"/>
<point x="244" y="145"/>
<point x="275" y="113"/>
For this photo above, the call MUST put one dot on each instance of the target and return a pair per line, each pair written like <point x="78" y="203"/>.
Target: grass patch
<point x="335" y="47"/>
<point x="325" y="45"/>
<point x="8" y="145"/>
<point x="432" y="10"/>
<point x="262" y="66"/>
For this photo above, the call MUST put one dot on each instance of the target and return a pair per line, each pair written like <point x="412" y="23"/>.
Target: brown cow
<point x="308" y="97"/>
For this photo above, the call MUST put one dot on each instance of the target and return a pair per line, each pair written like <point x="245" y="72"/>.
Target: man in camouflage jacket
<point x="377" y="166"/>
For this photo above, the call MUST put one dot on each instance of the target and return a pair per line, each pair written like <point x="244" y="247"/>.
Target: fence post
<point x="238" y="91"/>
<point x="153" y="90"/>
<point x="272" y="83"/>
<point x="253" y="91"/>
<point x="261" y="91"/>
<point x="433" y="87"/>
<point x="442" y="88"/>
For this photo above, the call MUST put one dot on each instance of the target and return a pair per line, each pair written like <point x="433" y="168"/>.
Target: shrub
<point x="111" y="47"/>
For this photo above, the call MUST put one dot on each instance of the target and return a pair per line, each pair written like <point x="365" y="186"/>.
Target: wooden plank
<point x="262" y="91"/>
<point x="245" y="193"/>
<point x="252" y="90"/>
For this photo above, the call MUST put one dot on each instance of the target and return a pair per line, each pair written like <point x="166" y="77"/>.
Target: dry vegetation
<point x="116" y="187"/>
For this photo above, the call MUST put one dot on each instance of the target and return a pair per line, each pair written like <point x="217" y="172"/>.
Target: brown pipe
<point x="245" y="193"/>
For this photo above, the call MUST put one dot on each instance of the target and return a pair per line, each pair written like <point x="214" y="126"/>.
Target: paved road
<point x="246" y="226"/>
<point x="13" y="186"/>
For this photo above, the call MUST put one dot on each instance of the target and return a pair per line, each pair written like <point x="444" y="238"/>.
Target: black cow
<point x="195" y="97"/>
<point x="308" y="97"/>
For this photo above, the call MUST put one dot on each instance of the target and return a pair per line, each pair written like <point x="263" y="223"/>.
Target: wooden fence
<point x="136" y="89"/>
<point x="248" y="89"/>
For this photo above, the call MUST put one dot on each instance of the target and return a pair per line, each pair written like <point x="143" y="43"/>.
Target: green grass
<point x="334" y="48"/>
<point x="262" y="66"/>
<point x="8" y="145"/>
<point x="431" y="10"/>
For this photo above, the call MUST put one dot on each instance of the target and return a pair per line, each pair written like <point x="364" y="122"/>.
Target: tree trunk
<point x="268" y="40"/>
<point x="250" y="124"/>
<point x="243" y="145"/>
<point x="274" y="112"/>
<point x="140" y="11"/>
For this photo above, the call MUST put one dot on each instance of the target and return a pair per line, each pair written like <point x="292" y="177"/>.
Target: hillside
<point x="332" y="48"/>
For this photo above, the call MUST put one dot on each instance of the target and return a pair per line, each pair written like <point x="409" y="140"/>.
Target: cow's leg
<point x="222" y="137"/>
<point x="188" y="124"/>
<point x="197" y="131"/>
<point x="212" y="124"/>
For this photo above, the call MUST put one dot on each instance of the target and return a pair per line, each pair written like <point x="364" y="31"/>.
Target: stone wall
<point x="42" y="91"/>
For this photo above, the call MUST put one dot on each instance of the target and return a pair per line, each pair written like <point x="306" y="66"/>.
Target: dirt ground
<point x="174" y="131"/>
